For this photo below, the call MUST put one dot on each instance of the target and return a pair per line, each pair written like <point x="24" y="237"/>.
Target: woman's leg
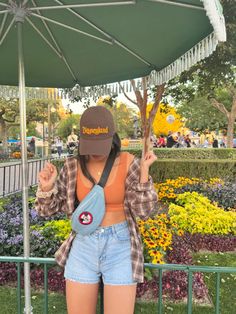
<point x="119" y="299"/>
<point x="81" y="298"/>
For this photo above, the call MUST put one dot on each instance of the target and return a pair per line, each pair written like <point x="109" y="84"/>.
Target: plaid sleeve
<point x="141" y="197"/>
<point x="58" y="200"/>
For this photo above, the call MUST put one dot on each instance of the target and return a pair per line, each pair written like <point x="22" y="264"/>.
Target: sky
<point x="77" y="107"/>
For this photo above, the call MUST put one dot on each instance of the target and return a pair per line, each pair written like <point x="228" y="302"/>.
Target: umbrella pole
<point x="24" y="168"/>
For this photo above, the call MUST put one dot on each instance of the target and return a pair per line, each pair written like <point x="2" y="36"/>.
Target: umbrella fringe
<point x="214" y="11"/>
<point x="199" y="52"/>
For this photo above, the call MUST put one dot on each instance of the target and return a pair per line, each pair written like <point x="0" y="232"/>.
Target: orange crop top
<point x="115" y="187"/>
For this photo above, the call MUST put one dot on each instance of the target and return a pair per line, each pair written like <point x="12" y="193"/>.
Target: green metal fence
<point x="161" y="267"/>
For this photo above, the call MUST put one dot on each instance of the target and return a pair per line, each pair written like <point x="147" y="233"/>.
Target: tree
<point x="213" y="76"/>
<point x="160" y="124"/>
<point x="142" y="102"/>
<point x="9" y="112"/>
<point x="67" y="125"/>
<point x="200" y="115"/>
<point x="14" y="131"/>
<point x="123" y="116"/>
<point x="36" y="111"/>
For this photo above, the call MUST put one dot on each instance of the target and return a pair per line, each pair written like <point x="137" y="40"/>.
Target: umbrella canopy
<point x="98" y="42"/>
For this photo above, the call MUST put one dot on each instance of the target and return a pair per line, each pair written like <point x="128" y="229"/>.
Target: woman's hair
<point x="83" y="159"/>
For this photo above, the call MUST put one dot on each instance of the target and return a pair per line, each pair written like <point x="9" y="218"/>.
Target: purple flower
<point x="34" y="214"/>
<point x="3" y="235"/>
<point x="18" y="239"/>
<point x="36" y="233"/>
<point x="16" y="221"/>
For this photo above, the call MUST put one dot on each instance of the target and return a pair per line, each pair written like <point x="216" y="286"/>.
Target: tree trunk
<point x="231" y="117"/>
<point x="141" y="103"/>
<point x="146" y="139"/>
<point x="231" y="122"/>
<point x="3" y="134"/>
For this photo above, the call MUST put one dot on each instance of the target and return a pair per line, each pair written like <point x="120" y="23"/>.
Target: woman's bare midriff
<point x="112" y="218"/>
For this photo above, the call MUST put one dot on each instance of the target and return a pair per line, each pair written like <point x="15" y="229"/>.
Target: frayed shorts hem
<point x="120" y="284"/>
<point x="83" y="281"/>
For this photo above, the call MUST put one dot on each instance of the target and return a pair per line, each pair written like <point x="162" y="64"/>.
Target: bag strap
<point x="107" y="169"/>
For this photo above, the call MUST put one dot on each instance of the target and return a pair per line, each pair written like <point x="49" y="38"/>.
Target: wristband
<point x="41" y="194"/>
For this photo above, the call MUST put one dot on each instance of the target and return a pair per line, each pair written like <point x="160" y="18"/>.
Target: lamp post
<point x="49" y="128"/>
<point x="51" y="109"/>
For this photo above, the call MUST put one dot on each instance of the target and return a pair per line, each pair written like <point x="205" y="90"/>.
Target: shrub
<point x="60" y="229"/>
<point x="174" y="286"/>
<point x="11" y="231"/>
<point x="194" y="213"/>
<point x="224" y="194"/>
<point x="190" y="153"/>
<point x="177" y="165"/>
<point x="197" y="242"/>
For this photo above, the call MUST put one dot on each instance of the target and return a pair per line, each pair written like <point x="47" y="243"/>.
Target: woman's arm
<point x="140" y="192"/>
<point x="51" y="198"/>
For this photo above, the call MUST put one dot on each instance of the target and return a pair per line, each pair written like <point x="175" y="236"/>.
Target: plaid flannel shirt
<point x="140" y="201"/>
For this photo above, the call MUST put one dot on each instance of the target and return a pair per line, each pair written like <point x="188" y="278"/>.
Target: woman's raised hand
<point x="146" y="162"/>
<point x="148" y="159"/>
<point x="47" y="177"/>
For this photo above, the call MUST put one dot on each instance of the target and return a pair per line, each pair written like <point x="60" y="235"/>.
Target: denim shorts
<point x="105" y="253"/>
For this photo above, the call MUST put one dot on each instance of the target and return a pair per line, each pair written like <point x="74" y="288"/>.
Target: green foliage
<point x="58" y="229"/>
<point x="123" y="116"/>
<point x="197" y="115"/>
<point x="190" y="153"/>
<point x="195" y="213"/>
<point x="37" y="110"/>
<point x="190" y="163"/>
<point x="9" y="109"/>
<point x="67" y="125"/>
<point x="174" y="168"/>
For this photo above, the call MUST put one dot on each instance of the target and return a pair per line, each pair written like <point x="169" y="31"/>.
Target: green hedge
<point x="191" y="153"/>
<point x="174" y="168"/>
<point x="173" y="163"/>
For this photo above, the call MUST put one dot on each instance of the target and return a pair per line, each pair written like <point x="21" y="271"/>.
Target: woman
<point x="114" y="250"/>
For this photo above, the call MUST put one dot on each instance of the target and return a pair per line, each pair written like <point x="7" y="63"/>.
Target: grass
<point x="228" y="281"/>
<point x="56" y="302"/>
<point x="227" y="293"/>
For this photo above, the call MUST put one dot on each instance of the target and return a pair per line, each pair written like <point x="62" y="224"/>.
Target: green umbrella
<point x="97" y="42"/>
<point x="59" y="43"/>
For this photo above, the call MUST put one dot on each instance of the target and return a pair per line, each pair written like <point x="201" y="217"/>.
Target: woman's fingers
<point x="150" y="155"/>
<point x="149" y="158"/>
<point x="48" y="173"/>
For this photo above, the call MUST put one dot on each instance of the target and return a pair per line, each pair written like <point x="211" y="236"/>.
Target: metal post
<point x="217" y="293"/>
<point x="45" y="288"/>
<point x="160" y="293"/>
<point x="190" y="292"/>
<point x="49" y="129"/>
<point x="24" y="167"/>
<point x="43" y="141"/>
<point x="18" y="288"/>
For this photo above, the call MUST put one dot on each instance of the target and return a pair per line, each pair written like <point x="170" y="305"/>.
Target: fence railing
<point x="160" y="267"/>
<point x="10" y="175"/>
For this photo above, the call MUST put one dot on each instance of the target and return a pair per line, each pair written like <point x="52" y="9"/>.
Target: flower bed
<point x="189" y="222"/>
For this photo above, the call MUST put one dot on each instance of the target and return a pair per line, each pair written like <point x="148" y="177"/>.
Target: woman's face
<point x="97" y="157"/>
